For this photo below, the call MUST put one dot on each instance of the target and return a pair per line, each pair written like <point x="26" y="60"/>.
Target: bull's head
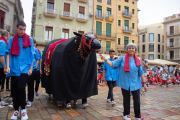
<point x="89" y="43"/>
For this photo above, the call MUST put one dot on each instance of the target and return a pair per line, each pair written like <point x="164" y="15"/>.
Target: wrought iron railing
<point x="50" y="11"/>
<point x="106" y="34"/>
<point x="82" y="16"/>
<point x="127" y="28"/>
<point x="127" y="13"/>
<point x="66" y="14"/>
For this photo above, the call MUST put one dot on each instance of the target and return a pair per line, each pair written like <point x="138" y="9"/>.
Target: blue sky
<point x="151" y="11"/>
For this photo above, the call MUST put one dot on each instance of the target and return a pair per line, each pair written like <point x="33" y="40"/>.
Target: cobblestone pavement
<point x="158" y="103"/>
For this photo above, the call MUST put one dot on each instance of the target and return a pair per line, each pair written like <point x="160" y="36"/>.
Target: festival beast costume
<point x="72" y="73"/>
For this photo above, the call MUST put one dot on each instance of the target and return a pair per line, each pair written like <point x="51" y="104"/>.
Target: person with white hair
<point x="130" y="72"/>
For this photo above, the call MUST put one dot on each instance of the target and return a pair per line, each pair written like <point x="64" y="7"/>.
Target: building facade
<point x="11" y="13"/>
<point x="151" y="41"/>
<point x="55" y="19"/>
<point x="172" y="37"/>
<point x="115" y="23"/>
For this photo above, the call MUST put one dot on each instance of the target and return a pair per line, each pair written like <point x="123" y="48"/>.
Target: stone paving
<point x="158" y="103"/>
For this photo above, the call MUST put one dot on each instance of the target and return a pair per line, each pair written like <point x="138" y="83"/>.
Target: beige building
<point x="11" y="13"/>
<point x="151" y="41"/>
<point x="172" y="37"/>
<point x="115" y="23"/>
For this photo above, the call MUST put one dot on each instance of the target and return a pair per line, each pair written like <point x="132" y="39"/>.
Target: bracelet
<point x="144" y="82"/>
<point x="105" y="60"/>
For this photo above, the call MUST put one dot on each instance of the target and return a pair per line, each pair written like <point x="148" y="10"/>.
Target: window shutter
<point x="65" y="30"/>
<point x="108" y="9"/>
<point x="108" y="29"/>
<point x="126" y="23"/>
<point x="99" y="7"/>
<point x="49" y="28"/>
<point x="81" y="9"/>
<point x="66" y="7"/>
<point x="126" y="38"/>
<point x="50" y="1"/>
<point x="98" y="28"/>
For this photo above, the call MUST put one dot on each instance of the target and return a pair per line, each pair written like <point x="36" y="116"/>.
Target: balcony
<point x="66" y="15"/>
<point x="173" y="33"/>
<point x="105" y="34"/>
<point x="82" y="18"/>
<point x="109" y="18"/>
<point x="104" y="50"/>
<point x="83" y="1"/>
<point x="5" y="27"/>
<point x="121" y="47"/>
<point x="50" y="12"/>
<point x="173" y="57"/>
<point x="172" y="18"/>
<point x="127" y="14"/>
<point x="127" y="29"/>
<point x="99" y="16"/>
<point x="99" y="1"/>
<point x="34" y="2"/>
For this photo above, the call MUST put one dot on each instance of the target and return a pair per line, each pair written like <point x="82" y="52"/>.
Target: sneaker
<point x="113" y="103"/>
<point x="3" y="103"/>
<point x="127" y="117"/>
<point x="109" y="100"/>
<point x="68" y="105"/>
<point x="85" y="105"/>
<point x="2" y="106"/>
<point x="59" y="103"/>
<point x="28" y="104"/>
<point x="7" y="90"/>
<point x="37" y="95"/>
<point x="24" y="115"/>
<point x="164" y="86"/>
<point x="75" y="102"/>
<point x="11" y="105"/>
<point x="15" y="115"/>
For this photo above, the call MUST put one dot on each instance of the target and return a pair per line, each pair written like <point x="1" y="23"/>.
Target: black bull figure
<point x="73" y="69"/>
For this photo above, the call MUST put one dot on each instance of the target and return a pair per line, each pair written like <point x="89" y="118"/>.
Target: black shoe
<point x="1" y="90"/>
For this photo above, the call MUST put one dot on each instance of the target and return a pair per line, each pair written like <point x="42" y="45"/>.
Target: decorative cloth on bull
<point x="49" y="56"/>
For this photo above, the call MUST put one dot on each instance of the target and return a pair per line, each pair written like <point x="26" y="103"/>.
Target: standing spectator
<point x="129" y="79"/>
<point x="144" y="64"/>
<point x="19" y="66"/>
<point x="3" y="56"/>
<point x="165" y="68"/>
<point x="111" y="75"/>
<point x="154" y="68"/>
<point x="171" y="69"/>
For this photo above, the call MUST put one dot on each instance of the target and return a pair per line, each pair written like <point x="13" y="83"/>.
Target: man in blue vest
<point x="111" y="75"/>
<point x="19" y="66"/>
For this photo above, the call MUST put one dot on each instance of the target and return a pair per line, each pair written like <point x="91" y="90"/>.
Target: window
<point x="119" y="7"/>
<point x="126" y="41"/>
<point x="98" y="28"/>
<point x="143" y="38"/>
<point x="138" y="39"/>
<point x="99" y="1"/>
<point x="132" y="2"/>
<point x="158" y="47"/>
<point x="171" y="30"/>
<point x="65" y="34"/>
<point x="132" y="11"/>
<point x="162" y="56"/>
<point x="48" y="33"/>
<point x="99" y="11"/>
<point x="132" y="25"/>
<point x="81" y="32"/>
<point x="50" y="5"/>
<point x="81" y="12"/>
<point x="138" y="48"/>
<point x="151" y="36"/>
<point x="126" y="10"/>
<point x="132" y="41"/>
<point x="151" y="47"/>
<point x="162" y="48"/>
<point x="108" y="12"/>
<point x="108" y="46"/>
<point x="119" y="22"/>
<point x="143" y="48"/>
<point x="66" y="7"/>
<point x="151" y="57"/>
<point x="109" y="2"/>
<point x="162" y="38"/>
<point x="126" y="0"/>
<point x="158" y="37"/>
<point x="126" y="25"/>
<point x="2" y="17"/>
<point x="108" y="30"/>
<point x="119" y="41"/>
<point x="171" y="42"/>
<point x="159" y="57"/>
